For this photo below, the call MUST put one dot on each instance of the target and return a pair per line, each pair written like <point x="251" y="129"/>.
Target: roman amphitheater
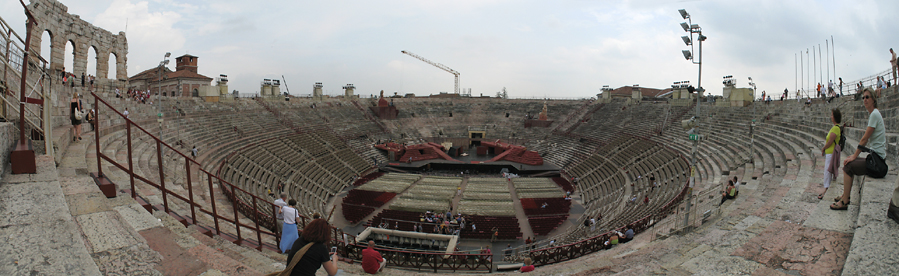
<point x="130" y="199"/>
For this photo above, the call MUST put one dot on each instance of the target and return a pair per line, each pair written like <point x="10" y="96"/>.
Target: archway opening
<point x="47" y="47"/>
<point x="113" y="65"/>
<point x="91" y="69"/>
<point x="69" y="58"/>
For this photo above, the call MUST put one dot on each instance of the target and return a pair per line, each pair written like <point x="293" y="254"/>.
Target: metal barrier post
<point x="130" y="161"/>
<point x="165" y="202"/>
<point x="256" y="220"/>
<point x="190" y="191"/>
<point x="236" y="218"/>
<point x="97" y="147"/>
<point x="215" y="214"/>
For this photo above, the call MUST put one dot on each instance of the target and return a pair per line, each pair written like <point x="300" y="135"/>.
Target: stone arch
<point x="53" y="16"/>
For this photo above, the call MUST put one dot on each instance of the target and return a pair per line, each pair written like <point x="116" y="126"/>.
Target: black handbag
<point x="875" y="166"/>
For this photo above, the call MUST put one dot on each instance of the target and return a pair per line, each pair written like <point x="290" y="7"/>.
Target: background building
<point x="183" y="82"/>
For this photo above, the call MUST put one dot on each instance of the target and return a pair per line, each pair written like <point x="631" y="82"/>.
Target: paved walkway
<point x="58" y="222"/>
<point x="42" y="237"/>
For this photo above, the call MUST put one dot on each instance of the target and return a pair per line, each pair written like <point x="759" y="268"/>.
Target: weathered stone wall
<point x="8" y="138"/>
<point x="53" y="17"/>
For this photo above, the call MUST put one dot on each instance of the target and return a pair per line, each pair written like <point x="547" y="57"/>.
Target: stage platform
<point x="473" y="162"/>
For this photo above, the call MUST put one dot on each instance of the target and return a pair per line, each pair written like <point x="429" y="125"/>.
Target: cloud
<point x="534" y="48"/>
<point x="149" y="33"/>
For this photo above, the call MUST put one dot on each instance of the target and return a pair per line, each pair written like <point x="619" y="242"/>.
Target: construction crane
<point x="438" y="65"/>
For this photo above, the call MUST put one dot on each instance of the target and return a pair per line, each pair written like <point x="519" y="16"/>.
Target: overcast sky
<point x="559" y="49"/>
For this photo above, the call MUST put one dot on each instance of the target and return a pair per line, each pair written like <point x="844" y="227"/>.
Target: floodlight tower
<point x="688" y="54"/>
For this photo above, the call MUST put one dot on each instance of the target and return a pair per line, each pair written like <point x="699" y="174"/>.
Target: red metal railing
<point x="218" y="220"/>
<point x="254" y="210"/>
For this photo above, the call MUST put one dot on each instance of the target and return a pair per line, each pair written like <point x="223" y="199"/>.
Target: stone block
<point x="86" y="203"/>
<point x="137" y="217"/>
<point x="104" y="231"/>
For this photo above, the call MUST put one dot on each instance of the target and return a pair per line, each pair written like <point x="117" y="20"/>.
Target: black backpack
<point x="842" y="142"/>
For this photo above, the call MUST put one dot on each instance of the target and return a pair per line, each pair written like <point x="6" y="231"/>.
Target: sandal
<point x="843" y="206"/>
<point x="837" y="199"/>
<point x="821" y="196"/>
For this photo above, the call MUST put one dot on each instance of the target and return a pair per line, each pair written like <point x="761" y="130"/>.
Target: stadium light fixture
<point x="693" y="131"/>
<point x="688" y="124"/>
<point x="683" y="13"/>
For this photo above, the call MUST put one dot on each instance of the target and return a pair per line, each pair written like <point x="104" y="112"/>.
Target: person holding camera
<point x="316" y="255"/>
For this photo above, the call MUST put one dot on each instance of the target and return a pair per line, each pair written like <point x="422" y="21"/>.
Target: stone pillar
<point x="266" y="89"/>
<point x="80" y="62"/>
<point x="222" y="84"/>
<point x="636" y="94"/>
<point x="57" y="53"/>
<point x="102" y="64"/>
<point x="317" y="90"/>
<point x="348" y="92"/>
<point x="121" y="68"/>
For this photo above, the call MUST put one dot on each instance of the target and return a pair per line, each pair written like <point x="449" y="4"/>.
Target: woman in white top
<point x="289" y="233"/>
<point x="874" y="139"/>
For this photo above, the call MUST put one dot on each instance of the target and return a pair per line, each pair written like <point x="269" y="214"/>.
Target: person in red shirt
<point x="528" y="265"/>
<point x="372" y="262"/>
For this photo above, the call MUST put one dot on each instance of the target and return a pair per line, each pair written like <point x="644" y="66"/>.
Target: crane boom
<point x="438" y="65"/>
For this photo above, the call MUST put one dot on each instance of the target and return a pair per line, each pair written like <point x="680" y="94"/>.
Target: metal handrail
<point x="229" y="189"/>
<point x="435" y="261"/>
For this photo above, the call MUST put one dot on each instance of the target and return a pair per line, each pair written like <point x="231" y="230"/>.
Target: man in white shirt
<point x="281" y="202"/>
<point x="894" y="62"/>
<point x="830" y="88"/>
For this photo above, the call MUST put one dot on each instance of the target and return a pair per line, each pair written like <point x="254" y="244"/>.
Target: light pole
<point x="688" y="54"/>
<point x="162" y="65"/>
<point x="752" y="124"/>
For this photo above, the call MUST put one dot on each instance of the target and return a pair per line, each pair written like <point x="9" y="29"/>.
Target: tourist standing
<point x="894" y="64"/>
<point x="280" y="202"/>
<point x="874" y="139"/>
<point x="840" y="85"/>
<point x="831" y="150"/>
<point x="494" y="234"/>
<point x="76" y="109"/>
<point x="289" y="233"/>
